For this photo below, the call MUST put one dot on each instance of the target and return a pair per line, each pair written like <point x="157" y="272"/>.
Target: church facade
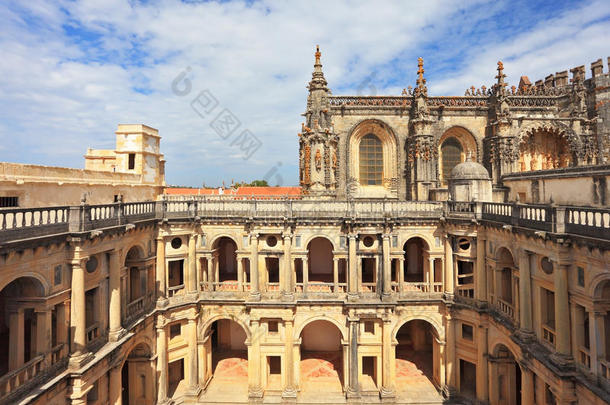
<point x="442" y="249"/>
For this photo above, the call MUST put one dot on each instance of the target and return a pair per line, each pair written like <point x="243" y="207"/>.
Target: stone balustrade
<point x="22" y="223"/>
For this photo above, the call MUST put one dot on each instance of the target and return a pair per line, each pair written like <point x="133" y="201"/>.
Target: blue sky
<point x="71" y="71"/>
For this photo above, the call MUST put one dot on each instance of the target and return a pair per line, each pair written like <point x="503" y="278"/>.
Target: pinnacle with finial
<point x="421" y="81"/>
<point x="501" y="74"/>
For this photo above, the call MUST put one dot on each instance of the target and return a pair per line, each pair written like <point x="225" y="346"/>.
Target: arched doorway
<point x="226" y="361"/>
<point x="137" y="377"/>
<point x="415" y="258"/>
<point x="506" y="377"/>
<point x="225" y="260"/>
<point x="417" y="360"/>
<point x="321" y="365"/>
<point x="320" y="265"/>
<point x="21" y="324"/>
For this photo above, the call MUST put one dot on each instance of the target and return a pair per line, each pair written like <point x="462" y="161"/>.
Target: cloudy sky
<point x="70" y="71"/>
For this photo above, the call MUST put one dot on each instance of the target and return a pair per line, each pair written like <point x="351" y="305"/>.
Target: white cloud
<point x="62" y="95"/>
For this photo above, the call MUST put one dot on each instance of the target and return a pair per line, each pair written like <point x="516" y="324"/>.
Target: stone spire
<point x="421" y="81"/>
<point x="500" y="85"/>
<point x="318" y="82"/>
<point x="318" y="142"/>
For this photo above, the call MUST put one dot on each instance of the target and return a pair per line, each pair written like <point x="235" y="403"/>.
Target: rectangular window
<point x="132" y="161"/>
<point x="297" y="241"/>
<point x="273" y="269"/>
<point x="468" y="378"/>
<point x="581" y="276"/>
<point x="176" y="273"/>
<point x="369" y="327"/>
<point x="275" y="365"/>
<point x="175" y="374"/>
<point x="6" y="202"/>
<point x="57" y="275"/>
<point x="272" y="326"/>
<point x="369" y="368"/>
<point x="90" y="307"/>
<point x="394" y="241"/>
<point x="467" y="332"/>
<point x="175" y="330"/>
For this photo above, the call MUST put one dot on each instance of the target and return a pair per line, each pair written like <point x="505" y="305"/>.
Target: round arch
<point x="136" y="248"/>
<point x="499" y="254"/>
<point x="299" y="329"/>
<point x="389" y="144"/>
<point x="597" y="285"/>
<point x="28" y="274"/>
<point x="426" y="238"/>
<point x="436" y="325"/>
<point x="142" y="341"/>
<point x="218" y="237"/>
<point x="423" y="239"/>
<point x="312" y="237"/>
<point x="468" y="145"/>
<point x="500" y="342"/>
<point x="208" y="323"/>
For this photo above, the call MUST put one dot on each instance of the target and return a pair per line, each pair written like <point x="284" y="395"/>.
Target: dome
<point x="469" y="171"/>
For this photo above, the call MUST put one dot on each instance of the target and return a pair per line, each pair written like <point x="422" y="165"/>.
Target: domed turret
<point x="469" y="181"/>
<point x="469" y="171"/>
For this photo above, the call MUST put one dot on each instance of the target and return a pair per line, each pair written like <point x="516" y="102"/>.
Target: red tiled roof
<point x="242" y="191"/>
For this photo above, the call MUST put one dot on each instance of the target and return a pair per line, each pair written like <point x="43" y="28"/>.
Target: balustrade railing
<point x="175" y="290"/>
<point x="548" y="334"/>
<point x="584" y="357"/>
<point x="506" y="308"/>
<point x="22" y="223"/>
<point x="92" y="332"/>
<point x="604" y="368"/>
<point x="594" y="222"/>
<point x="16" y="378"/>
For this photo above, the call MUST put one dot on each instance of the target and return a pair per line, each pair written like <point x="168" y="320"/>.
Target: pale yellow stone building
<point x="432" y="258"/>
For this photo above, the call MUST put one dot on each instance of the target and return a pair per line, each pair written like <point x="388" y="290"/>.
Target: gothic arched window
<point x="451" y="155"/>
<point x="371" y="161"/>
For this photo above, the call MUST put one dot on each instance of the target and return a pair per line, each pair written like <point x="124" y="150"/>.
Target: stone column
<point x="450" y="365"/>
<point x="161" y="273"/>
<point x="387" y="388"/>
<point x="449" y="275"/>
<point x="43" y="333"/>
<point x="115" y="386"/>
<point x="16" y="339"/>
<point x="255" y="390"/>
<point x="240" y="274"/>
<point x="305" y="273"/>
<point x="77" y="318"/>
<point x="335" y="275"/>
<point x="525" y="295"/>
<point x="255" y="294"/>
<point x="289" y="392"/>
<point x="482" y="370"/>
<point x="353" y="388"/>
<point x="597" y="336"/>
<point x="192" y="382"/>
<point x="352" y="268"/>
<point x="527" y="385"/>
<point x="562" y="310"/>
<point x="210" y="268"/>
<point x="288" y="290"/>
<point x="63" y="325"/>
<point x="387" y="268"/>
<point x="161" y="362"/>
<point x="480" y="291"/>
<point x="191" y="277"/>
<point x="115" y="330"/>
<point x="431" y="273"/>
<point x="401" y="274"/>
